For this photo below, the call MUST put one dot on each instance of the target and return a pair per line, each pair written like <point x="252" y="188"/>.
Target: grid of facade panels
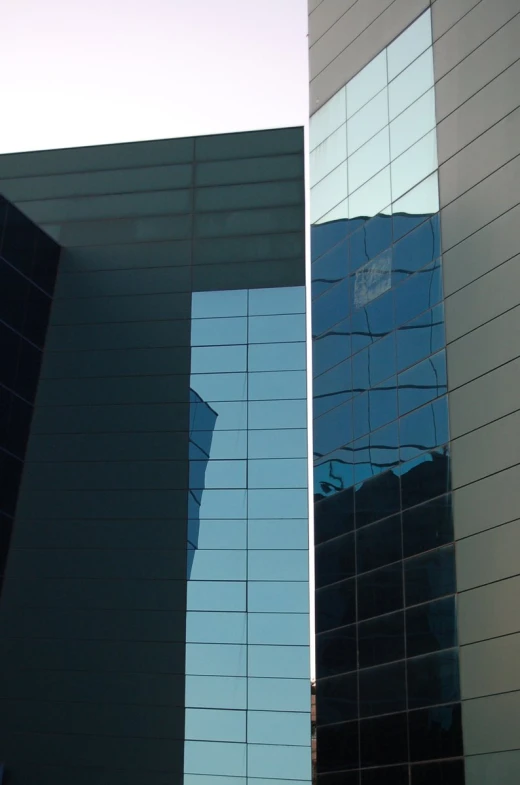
<point x="28" y="267"/>
<point x="388" y="707"/>
<point x="247" y="634"/>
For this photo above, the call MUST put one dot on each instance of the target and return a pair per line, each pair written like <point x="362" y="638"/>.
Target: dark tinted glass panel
<point x="381" y="640"/>
<point x="334" y="515"/>
<point x="14" y="289"/>
<point x="376" y="452"/>
<point x="37" y="316"/>
<point x="17" y="433"/>
<point x="10" y="473"/>
<point x="428" y="526"/>
<point x="336" y="605"/>
<point x="420" y="338"/>
<point x="337" y="699"/>
<point x="10" y="353"/>
<point x="448" y="772"/>
<point x="19" y="241"/>
<point x="387" y="775"/>
<point x="425" y="478"/>
<point x="369" y="240"/>
<point x="46" y="259"/>
<point x="6" y="525"/>
<point x="335" y="560"/>
<point x="404" y="223"/>
<point x="373" y="321"/>
<point x="379" y="544"/>
<point x="333" y="429"/>
<point x="416" y="250"/>
<point x="382" y="690"/>
<point x="28" y="370"/>
<point x="327" y="235"/>
<point x="341" y="778"/>
<point x="430" y="576"/>
<point x="424" y="429"/>
<point x="332" y="347"/>
<point x="338" y="747"/>
<point x="333" y="473"/>
<point x="431" y="627"/>
<point x="336" y="651"/>
<point x="330" y="268"/>
<point x="418" y="293"/>
<point x="332" y="388"/>
<point x="380" y="591"/>
<point x="433" y="679"/>
<point x="384" y="740"/>
<point x="377" y="498"/>
<point x="331" y="308"/>
<point x="422" y="383"/>
<point x="435" y="733"/>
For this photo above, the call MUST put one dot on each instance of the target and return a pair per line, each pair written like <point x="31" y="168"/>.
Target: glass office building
<point x="388" y="695"/>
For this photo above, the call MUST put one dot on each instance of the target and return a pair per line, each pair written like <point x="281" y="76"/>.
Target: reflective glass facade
<point x="388" y="707"/>
<point x="247" y="631"/>
<point x="28" y="266"/>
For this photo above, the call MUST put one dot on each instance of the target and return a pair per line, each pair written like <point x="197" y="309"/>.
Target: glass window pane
<point x="278" y="597"/>
<point x="328" y="155"/>
<point x="216" y="692"/>
<point x="336" y="605"/>
<point x="214" y="332"/>
<point x="430" y="576"/>
<point x="433" y="679"/>
<point x="379" y="544"/>
<point x="368" y="160"/>
<point x="425" y="477"/>
<point x="368" y="121"/>
<point x="282" y="629"/>
<point x="366" y="84"/>
<point x="382" y="690"/>
<point x="223" y="504"/>
<point x="376" y="452"/>
<point x="278" y="473"/>
<point x="281" y="300"/>
<point x="412" y="124"/>
<point x="418" y="248"/>
<point x="278" y="534"/>
<point x="217" y="474"/>
<point x="421" y="337"/>
<point x="338" y="698"/>
<point x="409" y="45"/>
<point x="216" y="659"/>
<point x="427" y="526"/>
<point x="222" y="444"/>
<point x="331" y="308"/>
<point x="204" y="627"/>
<point x="218" y="566"/>
<point x="373" y="197"/>
<point x="381" y="640"/>
<point x="278" y="727"/>
<point x="431" y="627"/>
<point x="384" y="740"/>
<point x="228" y="535"/>
<point x="277" y="356"/>
<point x="271" y="565"/>
<point x="336" y="651"/>
<point x="273" y="385"/>
<point x="215" y="725"/>
<point x="219" y="416"/>
<point x="335" y="473"/>
<point x="224" y="303"/>
<point x="329" y="192"/>
<point x="220" y="386"/>
<point x="414" y="165"/>
<point x="341" y="745"/>
<point x="330" y="268"/>
<point x="435" y="733"/>
<point x="338" y="214"/>
<point x="269" y="503"/>
<point x="208" y="779"/>
<point x="423" y="199"/>
<point x="216" y="595"/>
<point x="411" y="84"/>
<point x="212" y="359"/>
<point x="418" y="293"/>
<point x="372" y="504"/>
<point x="277" y="329"/>
<point x="332" y="347"/>
<point x="291" y="662"/>
<point x="333" y="430"/>
<point x="329" y="117"/>
<point x="332" y="388"/>
<point x="422" y="383"/>
<point x="335" y="560"/>
<point x="283" y="443"/>
<point x="380" y="591"/>
<point x="265" y="415"/>
<point x="204" y="757"/>
<point x="286" y="762"/>
<point x="424" y="429"/>
<point x="279" y="694"/>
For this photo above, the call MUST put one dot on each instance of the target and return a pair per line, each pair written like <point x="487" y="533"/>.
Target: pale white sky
<point x="81" y="72"/>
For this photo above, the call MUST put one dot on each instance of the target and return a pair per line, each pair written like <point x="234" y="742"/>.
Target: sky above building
<point x="89" y="72"/>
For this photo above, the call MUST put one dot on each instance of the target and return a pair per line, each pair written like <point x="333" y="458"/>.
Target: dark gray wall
<point x="92" y="617"/>
<point x="478" y="110"/>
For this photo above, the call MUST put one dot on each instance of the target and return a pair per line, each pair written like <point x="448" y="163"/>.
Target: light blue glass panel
<point x="424" y="198"/>
<point x="277" y="329"/>
<point x="202" y="779"/>
<point x="204" y="757"/>
<point x="216" y="692"/>
<point x="277" y="761"/>
<point x="274" y="565"/>
<point x="283" y="443"/>
<point x="368" y="121"/>
<point x="215" y="725"/>
<point x="220" y="386"/>
<point x="218" y="332"/>
<point x="219" y="566"/>
<point x="328" y="154"/>
<point x="279" y="629"/>
<point x="223" y="504"/>
<point x="412" y="124"/>
<point x="410" y="44"/>
<point x="212" y="359"/>
<point x="328" y="192"/>
<point x="226" y="535"/>
<point x="414" y="165"/>
<point x="217" y="474"/>
<point x="258" y="781"/>
<point x="411" y="84"/>
<point x="223" y="444"/>
<point x="209" y="627"/>
<point x="337" y="213"/>
<point x="270" y="503"/>
<point x="278" y="597"/>
<point x="283" y="534"/>
<point x="366" y="84"/>
<point x="276" y="356"/>
<point x="279" y="694"/>
<point x="368" y="160"/>
<point x="216" y="660"/>
<point x="215" y="595"/>
<point x="329" y="117"/>
<point x="230" y="416"/>
<point x="286" y="299"/>
<point x="228" y="303"/>
<point x="273" y="385"/>
<point x="265" y="415"/>
<point x="373" y="197"/>
<point x="278" y="727"/>
<point x="278" y="473"/>
<point x="290" y="662"/>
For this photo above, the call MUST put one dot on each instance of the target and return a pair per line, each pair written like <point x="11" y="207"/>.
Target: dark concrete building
<point x="415" y="274"/>
<point x="154" y="610"/>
